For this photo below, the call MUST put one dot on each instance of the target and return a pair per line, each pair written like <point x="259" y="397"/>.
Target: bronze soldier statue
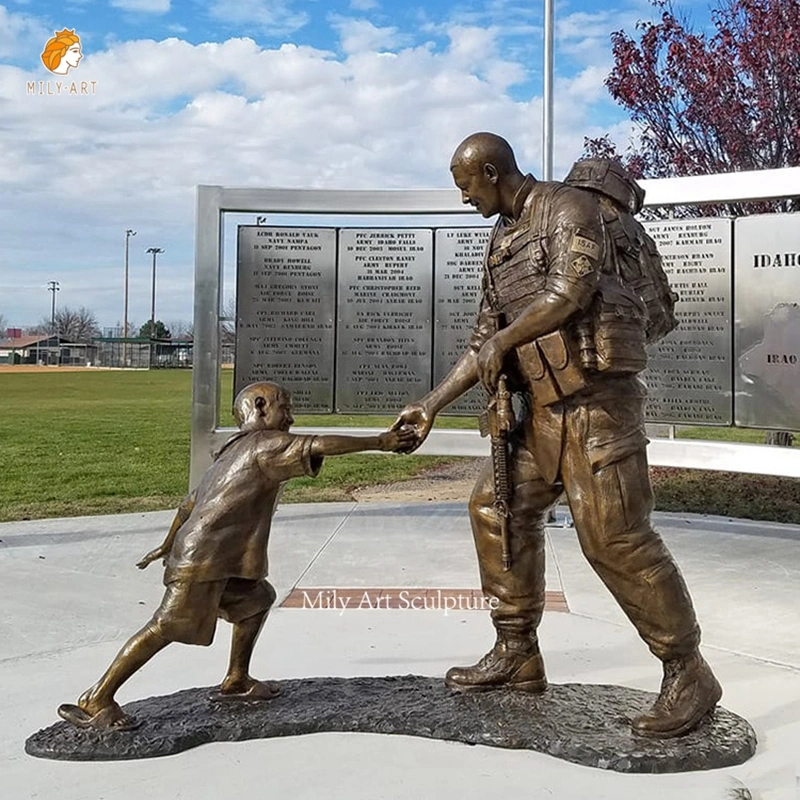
<point x="550" y="305"/>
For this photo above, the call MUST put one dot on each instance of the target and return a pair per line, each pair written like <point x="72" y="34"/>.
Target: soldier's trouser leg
<point x="517" y="594"/>
<point x="605" y="473"/>
<point x="611" y="508"/>
<point x="519" y="591"/>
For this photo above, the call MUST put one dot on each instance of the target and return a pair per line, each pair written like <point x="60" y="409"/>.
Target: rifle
<point x="496" y="422"/>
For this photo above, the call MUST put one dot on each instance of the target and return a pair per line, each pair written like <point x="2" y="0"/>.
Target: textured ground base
<point x="583" y="723"/>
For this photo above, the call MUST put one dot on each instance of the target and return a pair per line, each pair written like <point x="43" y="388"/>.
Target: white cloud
<point x="358" y="35"/>
<point x="471" y="45"/>
<point x="21" y="33"/>
<point x="589" y="85"/>
<point x="143" y="6"/>
<point x="276" y="17"/>
<point x="363" y="5"/>
<point x="170" y="115"/>
<point x="586" y="37"/>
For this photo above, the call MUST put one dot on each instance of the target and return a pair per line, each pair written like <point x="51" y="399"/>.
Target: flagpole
<point x="547" y="115"/>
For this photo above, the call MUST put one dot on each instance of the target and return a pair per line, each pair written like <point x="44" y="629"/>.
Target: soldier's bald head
<point x="483" y="148"/>
<point x="485" y="170"/>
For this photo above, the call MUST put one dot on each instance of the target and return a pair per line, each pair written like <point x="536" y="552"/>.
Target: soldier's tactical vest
<point x="608" y="339"/>
<point x="515" y="273"/>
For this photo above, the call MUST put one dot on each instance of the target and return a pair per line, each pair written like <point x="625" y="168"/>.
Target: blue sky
<point x="318" y="93"/>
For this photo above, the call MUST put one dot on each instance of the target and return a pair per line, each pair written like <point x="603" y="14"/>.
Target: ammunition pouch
<point x="612" y="336"/>
<point x="551" y="366"/>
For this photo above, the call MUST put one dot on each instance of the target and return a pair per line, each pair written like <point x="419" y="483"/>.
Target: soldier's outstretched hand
<point x="401" y="440"/>
<point x="417" y="417"/>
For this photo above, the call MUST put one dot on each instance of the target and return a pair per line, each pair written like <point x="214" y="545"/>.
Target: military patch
<point x="582" y="244"/>
<point x="581" y="266"/>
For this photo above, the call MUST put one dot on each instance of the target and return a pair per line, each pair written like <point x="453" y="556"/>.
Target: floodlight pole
<point x="155" y="251"/>
<point x="128" y="233"/>
<point x="53" y="286"/>
<point x="547" y="99"/>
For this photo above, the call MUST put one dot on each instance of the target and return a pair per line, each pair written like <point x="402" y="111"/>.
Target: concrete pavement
<point x="72" y="597"/>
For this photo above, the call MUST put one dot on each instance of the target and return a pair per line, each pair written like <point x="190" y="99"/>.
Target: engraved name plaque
<point x="458" y="270"/>
<point x="285" y="298"/>
<point x="384" y="318"/>
<point x="689" y="371"/>
<point x="767" y="313"/>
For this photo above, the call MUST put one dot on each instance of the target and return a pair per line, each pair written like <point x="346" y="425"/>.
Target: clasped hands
<point x="419" y="416"/>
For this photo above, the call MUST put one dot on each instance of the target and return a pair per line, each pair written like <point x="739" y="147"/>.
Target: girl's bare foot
<point x="109" y="717"/>
<point x="247" y="689"/>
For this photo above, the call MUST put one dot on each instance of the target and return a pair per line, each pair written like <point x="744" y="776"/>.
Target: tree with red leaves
<point x="712" y="102"/>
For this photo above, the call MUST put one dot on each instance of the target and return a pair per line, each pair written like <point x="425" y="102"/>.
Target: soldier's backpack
<point x="634" y="257"/>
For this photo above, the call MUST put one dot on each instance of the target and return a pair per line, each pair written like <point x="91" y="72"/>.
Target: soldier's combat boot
<point x="689" y="691"/>
<point x="513" y="663"/>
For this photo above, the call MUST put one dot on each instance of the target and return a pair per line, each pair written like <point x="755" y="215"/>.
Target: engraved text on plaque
<point x="384" y="318"/>
<point x="458" y="271"/>
<point x="689" y="372"/>
<point x="285" y="297"/>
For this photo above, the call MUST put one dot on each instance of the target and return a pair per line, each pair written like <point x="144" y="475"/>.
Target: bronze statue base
<point x="582" y="723"/>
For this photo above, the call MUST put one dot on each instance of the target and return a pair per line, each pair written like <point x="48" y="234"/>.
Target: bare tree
<point x="181" y="329"/>
<point x="228" y="325"/>
<point x="3" y="325"/>
<point x="41" y="328"/>
<point x="76" y="325"/>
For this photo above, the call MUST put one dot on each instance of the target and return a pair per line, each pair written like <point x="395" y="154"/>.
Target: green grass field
<point x="97" y="442"/>
<point x="107" y="442"/>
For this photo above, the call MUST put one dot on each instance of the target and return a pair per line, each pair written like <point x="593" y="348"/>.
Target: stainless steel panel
<point x="342" y="201"/>
<point x="285" y="308"/>
<point x="457" y="294"/>
<point x="683" y="453"/>
<point x="384" y="318"/>
<point x="689" y="372"/>
<point x="206" y="355"/>
<point x="729" y="187"/>
<point x="214" y="201"/>
<point x="767" y="321"/>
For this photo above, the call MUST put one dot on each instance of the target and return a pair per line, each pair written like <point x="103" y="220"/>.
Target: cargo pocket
<point x="530" y="360"/>
<point x="614" y="431"/>
<point x="554" y="349"/>
<point x="626" y="497"/>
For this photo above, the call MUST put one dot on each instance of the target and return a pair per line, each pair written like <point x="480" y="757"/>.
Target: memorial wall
<point x="364" y="320"/>
<point x="457" y="292"/>
<point x="689" y="377"/>
<point x="767" y="321"/>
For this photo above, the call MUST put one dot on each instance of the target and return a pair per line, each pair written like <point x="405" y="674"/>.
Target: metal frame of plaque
<point x="214" y="202"/>
<point x="767" y="325"/>
<point x="689" y="373"/>
<point x="285" y="311"/>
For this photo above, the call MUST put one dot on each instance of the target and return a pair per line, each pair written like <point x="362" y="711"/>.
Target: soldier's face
<point x="478" y="187"/>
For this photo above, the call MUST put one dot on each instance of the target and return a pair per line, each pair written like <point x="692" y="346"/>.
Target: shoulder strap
<point x="539" y="202"/>
<point x="488" y="282"/>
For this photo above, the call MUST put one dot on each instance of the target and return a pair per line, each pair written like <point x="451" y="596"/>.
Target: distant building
<point x="137" y="352"/>
<point x="45" y="350"/>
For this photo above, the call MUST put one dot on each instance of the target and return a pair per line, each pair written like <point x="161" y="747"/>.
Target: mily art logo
<point x="61" y="54"/>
